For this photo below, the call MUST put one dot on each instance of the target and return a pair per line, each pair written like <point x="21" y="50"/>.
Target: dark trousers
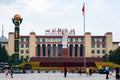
<point x="117" y="76"/>
<point x="65" y="73"/>
<point x="107" y="73"/>
<point x="11" y="75"/>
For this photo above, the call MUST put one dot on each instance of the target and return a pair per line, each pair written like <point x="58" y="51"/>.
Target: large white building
<point x="50" y="44"/>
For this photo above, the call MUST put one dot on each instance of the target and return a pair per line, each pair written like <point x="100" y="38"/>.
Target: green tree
<point x="12" y="59"/>
<point x="105" y="58"/>
<point x="21" y="60"/>
<point x="0" y="52"/>
<point x="114" y="56"/>
<point x="4" y="57"/>
<point x="5" y="54"/>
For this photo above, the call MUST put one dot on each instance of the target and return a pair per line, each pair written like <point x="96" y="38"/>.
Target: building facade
<point x="88" y="45"/>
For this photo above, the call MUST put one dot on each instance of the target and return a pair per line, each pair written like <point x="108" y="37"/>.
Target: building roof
<point x="3" y="39"/>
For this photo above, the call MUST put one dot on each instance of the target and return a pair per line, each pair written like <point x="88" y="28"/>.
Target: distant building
<point x="3" y="39"/>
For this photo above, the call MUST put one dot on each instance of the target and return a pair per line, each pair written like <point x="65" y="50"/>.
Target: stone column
<point x="51" y="51"/>
<point x="46" y="50"/>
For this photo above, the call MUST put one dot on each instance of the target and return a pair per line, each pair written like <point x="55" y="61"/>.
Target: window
<point x="71" y="50"/>
<point x="71" y="39"/>
<point x="43" y="50"/>
<point x="54" y="39"/>
<point x="103" y="51"/>
<point x="43" y="39"/>
<point x="27" y="51"/>
<point x="76" y="50"/>
<point x="60" y="40"/>
<point x="103" y="45"/>
<point x="59" y="49"/>
<point x="22" y="51"/>
<point x="27" y="39"/>
<point x="22" y="45"/>
<point x="98" y="51"/>
<point x="98" y="39"/>
<point x="81" y="39"/>
<point x="92" y="40"/>
<point x="98" y="45"/>
<point x="38" y="39"/>
<point x="93" y="45"/>
<point x="103" y="39"/>
<point x="49" y="40"/>
<point x="54" y="50"/>
<point x="49" y="46"/>
<point x="27" y="45"/>
<point x="92" y="51"/>
<point x="76" y="39"/>
<point x="38" y="50"/>
<point x="22" y="39"/>
<point x="27" y="57"/>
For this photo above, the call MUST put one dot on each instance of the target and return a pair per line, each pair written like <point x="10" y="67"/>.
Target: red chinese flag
<point x="83" y="9"/>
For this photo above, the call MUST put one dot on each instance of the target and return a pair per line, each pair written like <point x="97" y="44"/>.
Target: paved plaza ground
<point x="54" y="76"/>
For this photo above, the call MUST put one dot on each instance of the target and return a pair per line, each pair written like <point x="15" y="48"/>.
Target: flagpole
<point x="84" y="33"/>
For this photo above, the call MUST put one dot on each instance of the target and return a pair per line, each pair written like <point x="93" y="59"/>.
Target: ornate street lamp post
<point x="17" y="20"/>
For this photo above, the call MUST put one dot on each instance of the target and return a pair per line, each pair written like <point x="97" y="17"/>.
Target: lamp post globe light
<point x="17" y="20"/>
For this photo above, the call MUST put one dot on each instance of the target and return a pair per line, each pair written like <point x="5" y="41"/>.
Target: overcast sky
<point x="38" y="15"/>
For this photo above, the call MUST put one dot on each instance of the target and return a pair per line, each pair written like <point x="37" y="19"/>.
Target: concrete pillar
<point x="73" y="53"/>
<point x="78" y="50"/>
<point x="32" y="44"/>
<point x="108" y="42"/>
<point x="10" y="43"/>
<point x="51" y="50"/>
<point x="87" y="44"/>
<point x="41" y="50"/>
<point x="56" y="50"/>
<point x="46" y="50"/>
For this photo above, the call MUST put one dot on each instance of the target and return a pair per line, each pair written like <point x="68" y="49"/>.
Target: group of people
<point x="109" y="73"/>
<point x="7" y="72"/>
<point x="88" y="71"/>
<point x="108" y="70"/>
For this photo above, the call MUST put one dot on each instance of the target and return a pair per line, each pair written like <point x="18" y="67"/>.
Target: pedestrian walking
<point x="107" y="72"/>
<point x="80" y="71"/>
<point x="65" y="72"/>
<point x="111" y="73"/>
<point x="11" y="72"/>
<point x="6" y="73"/>
<point x="90" y="71"/>
<point x="87" y="71"/>
<point x="117" y="73"/>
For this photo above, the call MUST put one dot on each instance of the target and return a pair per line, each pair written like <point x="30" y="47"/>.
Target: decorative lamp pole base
<point x="16" y="58"/>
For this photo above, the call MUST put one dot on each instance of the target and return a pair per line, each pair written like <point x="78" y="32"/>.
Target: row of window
<point x="59" y="52"/>
<point x="24" y="40"/>
<point x="97" y="45"/>
<point x="49" y="40"/>
<point x="92" y="45"/>
<point x="97" y="39"/>
<point x="24" y="45"/>
<point x="98" y="51"/>
<point x="24" y="51"/>
<point x="60" y="39"/>
<point x="22" y="57"/>
<point x="93" y="51"/>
